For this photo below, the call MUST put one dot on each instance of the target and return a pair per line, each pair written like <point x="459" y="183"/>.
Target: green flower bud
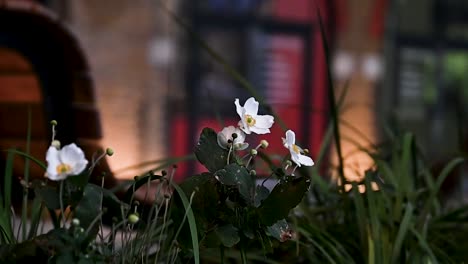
<point x="253" y="152"/>
<point x="109" y="152"/>
<point x="55" y="144"/>
<point x="76" y="222"/>
<point x="264" y="144"/>
<point x="53" y="122"/>
<point x="133" y="218"/>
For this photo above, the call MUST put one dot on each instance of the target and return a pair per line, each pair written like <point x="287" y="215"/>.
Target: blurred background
<point x="124" y="74"/>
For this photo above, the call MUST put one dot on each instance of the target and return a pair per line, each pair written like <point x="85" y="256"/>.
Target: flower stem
<point x="229" y="154"/>
<point x="243" y="256"/>
<point x="62" y="211"/>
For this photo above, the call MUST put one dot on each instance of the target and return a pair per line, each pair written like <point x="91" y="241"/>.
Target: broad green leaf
<point x="261" y="193"/>
<point x="49" y="195"/>
<point x="285" y="196"/>
<point x="209" y="153"/>
<point x="206" y="197"/>
<point x="228" y="235"/>
<point x="89" y="208"/>
<point x="234" y="174"/>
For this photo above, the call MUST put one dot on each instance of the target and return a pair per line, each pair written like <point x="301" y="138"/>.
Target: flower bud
<point x="109" y="152"/>
<point x="53" y="122"/>
<point x="55" y="144"/>
<point x="288" y="163"/>
<point x="253" y="152"/>
<point x="253" y="172"/>
<point x="264" y="144"/>
<point x="76" y="222"/>
<point x="133" y="218"/>
<point x="234" y="135"/>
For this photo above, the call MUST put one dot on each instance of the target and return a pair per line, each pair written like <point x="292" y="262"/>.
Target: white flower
<point x="296" y="151"/>
<point x="61" y="163"/>
<point x="250" y="121"/>
<point x="226" y="134"/>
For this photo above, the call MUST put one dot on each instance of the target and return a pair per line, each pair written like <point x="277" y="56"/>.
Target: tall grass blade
<point x="36" y="215"/>
<point x="402" y="233"/>
<point x="24" y="210"/>
<point x="191" y="221"/>
<point x="423" y="244"/>
<point x="331" y="102"/>
<point x="7" y="235"/>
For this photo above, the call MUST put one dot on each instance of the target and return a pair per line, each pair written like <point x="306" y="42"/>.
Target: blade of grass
<point x="36" y="215"/>
<point x="374" y="203"/>
<point x="361" y="215"/>
<point x="5" y="216"/>
<point x="440" y="179"/>
<point x="331" y="102"/>
<point x="423" y="244"/>
<point x="191" y="221"/>
<point x="27" y="156"/>
<point x="402" y="233"/>
<point x="24" y="210"/>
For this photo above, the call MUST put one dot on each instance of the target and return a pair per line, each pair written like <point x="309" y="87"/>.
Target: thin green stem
<point x="243" y="256"/>
<point x="62" y="211"/>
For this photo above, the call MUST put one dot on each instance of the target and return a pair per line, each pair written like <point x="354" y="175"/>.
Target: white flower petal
<point x="71" y="154"/>
<point x="240" y="110"/>
<point x="264" y="121"/>
<point x="306" y="161"/>
<point x="295" y="158"/>
<point x="259" y="130"/>
<point x="241" y="146"/>
<point x="79" y="167"/>
<point x="222" y="140"/>
<point x="53" y="161"/>
<point x="251" y="107"/>
<point x="226" y="134"/>
<point x="290" y="138"/>
<point x="240" y="136"/>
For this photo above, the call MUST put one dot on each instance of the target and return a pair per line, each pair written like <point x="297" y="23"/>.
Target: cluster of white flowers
<point x="251" y="121"/>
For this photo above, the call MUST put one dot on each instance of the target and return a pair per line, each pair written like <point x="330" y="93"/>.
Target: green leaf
<point x="49" y="195"/>
<point x="285" y="196"/>
<point x="209" y="153"/>
<point x="206" y="197"/>
<point x="234" y="174"/>
<point x="89" y="207"/>
<point x="228" y="235"/>
<point x="261" y="193"/>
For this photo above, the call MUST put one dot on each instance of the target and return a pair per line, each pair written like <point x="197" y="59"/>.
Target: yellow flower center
<point x="250" y="120"/>
<point x="63" y="168"/>
<point x="296" y="149"/>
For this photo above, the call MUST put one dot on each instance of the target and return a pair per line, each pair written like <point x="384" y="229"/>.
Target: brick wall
<point x="131" y="93"/>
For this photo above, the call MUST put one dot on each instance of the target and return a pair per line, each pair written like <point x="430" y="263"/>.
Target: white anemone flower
<point x="61" y="163"/>
<point x="226" y="134"/>
<point x="250" y="120"/>
<point x="296" y="151"/>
